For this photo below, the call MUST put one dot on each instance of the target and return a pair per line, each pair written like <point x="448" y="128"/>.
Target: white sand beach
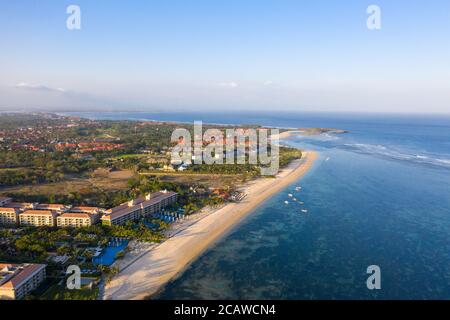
<point x="288" y="133"/>
<point x="152" y="270"/>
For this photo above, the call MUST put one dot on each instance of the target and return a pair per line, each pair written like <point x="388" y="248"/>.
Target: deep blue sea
<point x="379" y="195"/>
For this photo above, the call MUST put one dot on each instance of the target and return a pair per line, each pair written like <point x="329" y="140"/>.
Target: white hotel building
<point x="38" y="218"/>
<point x="9" y="216"/>
<point x="141" y="207"/>
<point x="19" y="280"/>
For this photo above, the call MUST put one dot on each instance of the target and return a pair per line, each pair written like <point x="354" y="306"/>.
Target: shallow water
<point x="379" y="195"/>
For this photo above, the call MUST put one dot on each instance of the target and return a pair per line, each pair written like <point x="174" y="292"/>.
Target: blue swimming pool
<point x="108" y="255"/>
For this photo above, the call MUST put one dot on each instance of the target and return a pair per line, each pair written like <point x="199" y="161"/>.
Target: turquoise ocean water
<point x="379" y="195"/>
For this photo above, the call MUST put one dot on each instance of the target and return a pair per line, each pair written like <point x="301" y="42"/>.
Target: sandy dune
<point x="153" y="270"/>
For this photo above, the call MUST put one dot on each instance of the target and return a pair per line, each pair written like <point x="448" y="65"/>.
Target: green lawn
<point x="57" y="292"/>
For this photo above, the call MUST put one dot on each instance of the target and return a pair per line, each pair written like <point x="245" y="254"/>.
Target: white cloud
<point x="38" y="87"/>
<point x="231" y="84"/>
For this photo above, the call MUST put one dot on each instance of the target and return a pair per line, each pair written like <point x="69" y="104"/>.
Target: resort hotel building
<point x="38" y="218"/>
<point x="60" y="215"/>
<point x="76" y="220"/>
<point x="9" y="216"/>
<point x="141" y="207"/>
<point x="51" y="215"/>
<point x="20" y="205"/>
<point x="52" y="207"/>
<point x="19" y="280"/>
<point x="78" y="217"/>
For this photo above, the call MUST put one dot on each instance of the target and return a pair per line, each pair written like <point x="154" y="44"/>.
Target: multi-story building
<point x="19" y="280"/>
<point x="75" y="220"/>
<point x="135" y="209"/>
<point x="9" y="216"/>
<point x="38" y="218"/>
<point x="34" y="214"/>
<point x="80" y="216"/>
<point x="156" y="201"/>
<point x="52" y="207"/>
<point x="119" y="215"/>
<point x="90" y="210"/>
<point x="20" y="205"/>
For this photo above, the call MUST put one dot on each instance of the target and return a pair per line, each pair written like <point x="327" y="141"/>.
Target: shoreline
<point x="150" y="272"/>
<point x="288" y="133"/>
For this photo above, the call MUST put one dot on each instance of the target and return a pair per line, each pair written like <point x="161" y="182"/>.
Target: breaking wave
<point x="396" y="154"/>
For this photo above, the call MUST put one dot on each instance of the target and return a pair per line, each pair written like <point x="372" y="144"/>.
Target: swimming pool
<point x="108" y="255"/>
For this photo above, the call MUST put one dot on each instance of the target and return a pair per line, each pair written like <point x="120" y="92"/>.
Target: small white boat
<point x="290" y="195"/>
<point x="304" y="211"/>
<point x="327" y="159"/>
<point x="301" y="202"/>
<point x="286" y="202"/>
<point x="295" y="199"/>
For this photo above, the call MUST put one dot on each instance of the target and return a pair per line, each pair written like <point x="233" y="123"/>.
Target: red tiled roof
<point x="84" y="209"/>
<point x="9" y="210"/>
<point x="75" y="215"/>
<point x="50" y="206"/>
<point x="39" y="213"/>
<point x="18" y="205"/>
<point x="22" y="275"/>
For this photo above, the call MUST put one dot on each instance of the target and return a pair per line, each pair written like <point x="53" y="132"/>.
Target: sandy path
<point x="153" y="270"/>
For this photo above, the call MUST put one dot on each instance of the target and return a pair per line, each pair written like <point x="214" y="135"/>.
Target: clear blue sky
<point x="233" y="54"/>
